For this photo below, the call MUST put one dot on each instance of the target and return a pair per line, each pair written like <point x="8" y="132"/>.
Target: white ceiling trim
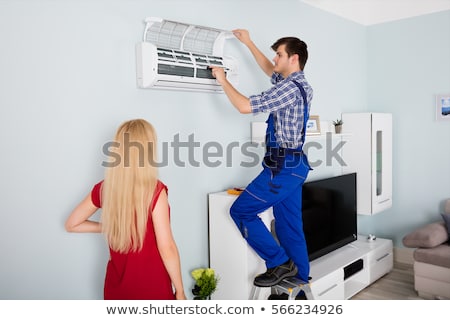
<point x="369" y="12"/>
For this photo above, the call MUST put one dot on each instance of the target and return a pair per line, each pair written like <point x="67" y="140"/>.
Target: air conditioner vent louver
<point x="175" y="70"/>
<point x="176" y="55"/>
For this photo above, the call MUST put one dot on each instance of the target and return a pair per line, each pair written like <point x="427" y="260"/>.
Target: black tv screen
<point x="329" y="214"/>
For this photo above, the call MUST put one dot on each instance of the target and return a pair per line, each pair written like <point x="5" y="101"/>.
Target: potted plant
<point x="205" y="283"/>
<point x="338" y="125"/>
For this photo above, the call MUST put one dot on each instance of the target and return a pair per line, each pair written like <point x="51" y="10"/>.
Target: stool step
<point x="291" y="286"/>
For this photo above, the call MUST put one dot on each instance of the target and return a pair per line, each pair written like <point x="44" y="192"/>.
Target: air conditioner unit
<point x="176" y="55"/>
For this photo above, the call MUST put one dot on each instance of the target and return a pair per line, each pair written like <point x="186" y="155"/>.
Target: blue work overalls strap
<point x="305" y="110"/>
<point x="281" y="192"/>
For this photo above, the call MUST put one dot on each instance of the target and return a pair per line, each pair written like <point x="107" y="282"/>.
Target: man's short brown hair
<point x="294" y="46"/>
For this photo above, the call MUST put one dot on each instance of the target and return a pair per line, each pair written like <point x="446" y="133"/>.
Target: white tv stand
<point x="237" y="264"/>
<point x="328" y="273"/>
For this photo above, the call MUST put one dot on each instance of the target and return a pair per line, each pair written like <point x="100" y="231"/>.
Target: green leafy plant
<point x="205" y="283"/>
<point x="338" y="122"/>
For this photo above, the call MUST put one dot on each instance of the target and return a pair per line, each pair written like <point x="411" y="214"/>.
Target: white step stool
<point x="291" y="286"/>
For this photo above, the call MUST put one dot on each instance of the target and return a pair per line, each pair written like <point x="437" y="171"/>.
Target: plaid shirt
<point x="285" y="101"/>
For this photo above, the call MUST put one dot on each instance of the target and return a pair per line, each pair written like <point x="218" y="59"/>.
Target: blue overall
<point x="279" y="186"/>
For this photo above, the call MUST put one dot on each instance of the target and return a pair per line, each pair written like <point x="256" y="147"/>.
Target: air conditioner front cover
<point x="175" y="55"/>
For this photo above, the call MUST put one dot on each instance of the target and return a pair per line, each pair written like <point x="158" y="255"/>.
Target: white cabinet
<point x="338" y="275"/>
<point x="369" y="153"/>
<point x="329" y="286"/>
<point x="346" y="271"/>
<point x="230" y="256"/>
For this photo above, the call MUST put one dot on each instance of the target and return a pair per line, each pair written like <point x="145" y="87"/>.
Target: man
<point x="285" y="167"/>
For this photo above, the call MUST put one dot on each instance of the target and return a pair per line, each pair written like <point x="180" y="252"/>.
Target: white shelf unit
<point x="237" y="264"/>
<point x="324" y="150"/>
<point x="230" y="256"/>
<point x="328" y="272"/>
<point x="258" y="133"/>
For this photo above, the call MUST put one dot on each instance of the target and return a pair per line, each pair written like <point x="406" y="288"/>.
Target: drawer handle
<point x="382" y="257"/>
<point x="332" y="287"/>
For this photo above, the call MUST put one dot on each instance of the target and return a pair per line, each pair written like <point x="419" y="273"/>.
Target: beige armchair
<point x="432" y="257"/>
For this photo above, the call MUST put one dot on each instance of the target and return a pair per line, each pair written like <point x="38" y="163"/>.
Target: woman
<point x="144" y="262"/>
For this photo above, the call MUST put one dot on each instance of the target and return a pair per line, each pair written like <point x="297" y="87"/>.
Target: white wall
<point x="67" y="80"/>
<point x="408" y="65"/>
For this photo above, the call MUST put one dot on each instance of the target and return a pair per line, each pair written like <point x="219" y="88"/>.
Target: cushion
<point x="438" y="256"/>
<point x="428" y="236"/>
<point x="446" y="217"/>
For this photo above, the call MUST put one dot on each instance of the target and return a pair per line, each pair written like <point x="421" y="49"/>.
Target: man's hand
<point x="243" y="36"/>
<point x="238" y="100"/>
<point x="219" y="74"/>
<point x="265" y="64"/>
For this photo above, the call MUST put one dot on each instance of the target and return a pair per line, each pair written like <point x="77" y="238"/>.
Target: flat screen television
<point x="329" y="214"/>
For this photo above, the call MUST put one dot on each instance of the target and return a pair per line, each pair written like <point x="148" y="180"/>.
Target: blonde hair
<point x="128" y="187"/>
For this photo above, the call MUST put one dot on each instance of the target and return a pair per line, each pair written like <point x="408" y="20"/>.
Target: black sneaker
<point x="273" y="276"/>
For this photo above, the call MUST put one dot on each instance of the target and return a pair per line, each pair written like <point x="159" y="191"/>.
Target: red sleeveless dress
<point x="137" y="275"/>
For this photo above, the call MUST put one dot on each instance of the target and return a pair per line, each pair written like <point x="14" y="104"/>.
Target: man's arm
<point x="265" y="64"/>
<point x="241" y="102"/>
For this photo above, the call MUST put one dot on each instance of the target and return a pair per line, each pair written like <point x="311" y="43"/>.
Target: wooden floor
<point x="396" y="285"/>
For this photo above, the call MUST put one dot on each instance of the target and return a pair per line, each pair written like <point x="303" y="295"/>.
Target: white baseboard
<point x="404" y="255"/>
